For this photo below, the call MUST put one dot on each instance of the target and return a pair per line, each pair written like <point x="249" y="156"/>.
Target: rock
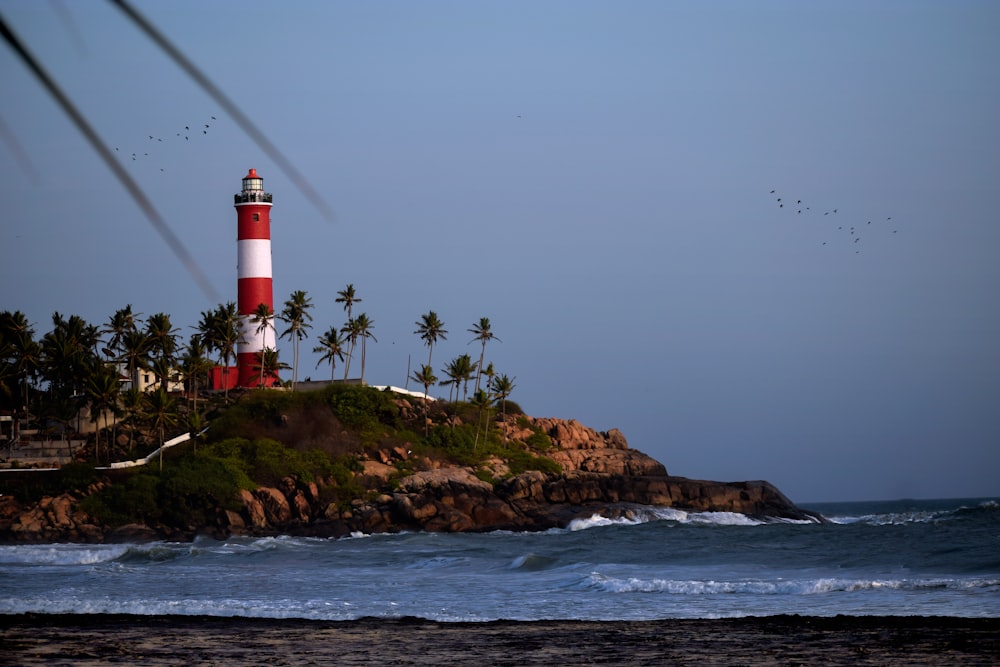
<point x="276" y="508"/>
<point x="132" y="532"/>
<point x="600" y="475"/>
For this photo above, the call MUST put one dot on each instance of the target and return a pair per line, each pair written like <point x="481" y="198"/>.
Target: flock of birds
<point x="844" y="232"/>
<point x="196" y="130"/>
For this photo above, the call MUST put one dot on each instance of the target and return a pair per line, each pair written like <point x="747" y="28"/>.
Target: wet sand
<point x="99" y="639"/>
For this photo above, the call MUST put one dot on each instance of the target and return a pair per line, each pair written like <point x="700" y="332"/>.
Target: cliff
<point x="600" y="475"/>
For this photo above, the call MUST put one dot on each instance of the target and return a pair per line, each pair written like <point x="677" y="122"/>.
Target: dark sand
<point x="41" y="639"/>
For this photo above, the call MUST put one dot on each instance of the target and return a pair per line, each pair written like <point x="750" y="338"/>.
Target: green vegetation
<point x="254" y="438"/>
<point x="258" y="441"/>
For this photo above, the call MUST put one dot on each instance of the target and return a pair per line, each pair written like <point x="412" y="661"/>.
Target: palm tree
<point x="502" y="386"/>
<point x="132" y="405"/>
<point x="196" y="424"/>
<point x="66" y="353"/>
<point x="221" y="332"/>
<point x="353" y="333"/>
<point x="348" y="297"/>
<point x="364" y="329"/>
<point x="453" y="379"/>
<point x="481" y="400"/>
<point x="425" y="376"/>
<point x="266" y="361"/>
<point x="296" y="314"/>
<point x="164" y="372"/>
<point x="331" y="346"/>
<point x="460" y="371"/>
<point x="194" y="365"/>
<point x="161" y="410"/>
<point x="431" y="329"/>
<point x="135" y="347"/>
<point x="22" y="354"/>
<point x="489" y="373"/>
<point x="483" y="334"/>
<point x="263" y="317"/>
<point x="122" y="322"/>
<point x="102" y="389"/>
<point x="162" y="336"/>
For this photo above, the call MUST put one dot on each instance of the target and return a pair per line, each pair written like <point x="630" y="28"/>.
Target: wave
<point x="642" y="515"/>
<point x="597" y="581"/>
<point x="533" y="563"/>
<point x="987" y="509"/>
<point x="648" y="514"/>
<point x="60" y="554"/>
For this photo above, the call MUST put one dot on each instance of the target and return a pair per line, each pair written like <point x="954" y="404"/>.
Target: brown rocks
<point x="600" y="474"/>
<point x="578" y="447"/>
<point x="277" y="510"/>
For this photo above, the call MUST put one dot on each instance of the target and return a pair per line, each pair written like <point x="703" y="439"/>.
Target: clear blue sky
<point x="594" y="177"/>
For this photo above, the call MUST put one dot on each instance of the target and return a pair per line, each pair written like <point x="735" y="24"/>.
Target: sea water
<point x="882" y="558"/>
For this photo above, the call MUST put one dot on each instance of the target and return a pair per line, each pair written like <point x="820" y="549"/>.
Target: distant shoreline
<point x="92" y="639"/>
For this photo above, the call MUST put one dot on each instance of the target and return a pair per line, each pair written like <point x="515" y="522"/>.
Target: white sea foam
<point x="775" y="587"/>
<point x="916" y="516"/>
<point x="649" y="514"/>
<point x="60" y="554"/>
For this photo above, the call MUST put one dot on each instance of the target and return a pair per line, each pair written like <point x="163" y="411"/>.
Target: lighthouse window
<point x="256" y="217"/>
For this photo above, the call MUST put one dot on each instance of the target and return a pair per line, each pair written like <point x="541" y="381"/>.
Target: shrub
<point x="539" y="442"/>
<point x="521" y="461"/>
<point x="361" y="407"/>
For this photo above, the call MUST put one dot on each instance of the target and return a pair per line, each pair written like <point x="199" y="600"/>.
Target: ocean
<point x="907" y="557"/>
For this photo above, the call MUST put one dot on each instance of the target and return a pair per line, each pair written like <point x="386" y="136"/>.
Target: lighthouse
<point x="253" y="240"/>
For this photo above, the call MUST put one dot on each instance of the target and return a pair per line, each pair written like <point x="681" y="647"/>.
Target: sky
<point x="599" y="179"/>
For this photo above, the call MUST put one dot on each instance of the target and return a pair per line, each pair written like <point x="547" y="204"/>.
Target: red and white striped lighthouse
<point x="253" y="240"/>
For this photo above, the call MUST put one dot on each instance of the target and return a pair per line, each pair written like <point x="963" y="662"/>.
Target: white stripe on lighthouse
<point x="253" y="258"/>
<point x="253" y="341"/>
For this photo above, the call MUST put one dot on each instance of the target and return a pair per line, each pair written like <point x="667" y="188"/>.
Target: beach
<point x="99" y="639"/>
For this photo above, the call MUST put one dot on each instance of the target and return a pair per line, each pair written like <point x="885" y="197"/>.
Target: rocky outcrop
<point x="579" y="447"/>
<point x="600" y="475"/>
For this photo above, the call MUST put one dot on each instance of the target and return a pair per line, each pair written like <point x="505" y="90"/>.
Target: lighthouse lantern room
<point x="253" y="219"/>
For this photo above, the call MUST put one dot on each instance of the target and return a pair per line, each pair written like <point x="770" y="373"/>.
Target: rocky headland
<point x="600" y="475"/>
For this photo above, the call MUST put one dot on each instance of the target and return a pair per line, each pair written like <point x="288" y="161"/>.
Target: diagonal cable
<point x="109" y="159"/>
<point x="241" y="119"/>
